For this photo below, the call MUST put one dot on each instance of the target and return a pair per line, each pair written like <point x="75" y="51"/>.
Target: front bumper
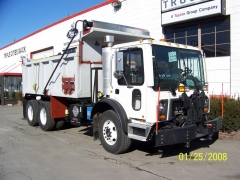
<point x="186" y="134"/>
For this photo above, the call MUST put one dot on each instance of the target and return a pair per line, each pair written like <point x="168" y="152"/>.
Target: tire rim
<point x="43" y="116"/>
<point x="30" y="113"/>
<point x="110" y="132"/>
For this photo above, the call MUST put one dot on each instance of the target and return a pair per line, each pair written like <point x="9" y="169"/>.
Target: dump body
<point x="71" y="79"/>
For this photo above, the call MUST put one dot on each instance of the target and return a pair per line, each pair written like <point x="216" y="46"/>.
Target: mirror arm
<point x="128" y="85"/>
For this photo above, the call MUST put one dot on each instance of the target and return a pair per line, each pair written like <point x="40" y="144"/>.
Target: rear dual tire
<point x="45" y="121"/>
<point x="31" y="112"/>
<point x="38" y="113"/>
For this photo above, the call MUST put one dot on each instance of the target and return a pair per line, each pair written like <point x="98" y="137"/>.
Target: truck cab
<point x="162" y="87"/>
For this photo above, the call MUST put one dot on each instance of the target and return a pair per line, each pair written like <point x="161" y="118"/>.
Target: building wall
<point x="225" y="71"/>
<point x="141" y="14"/>
<point x="233" y="8"/>
<point x="218" y="74"/>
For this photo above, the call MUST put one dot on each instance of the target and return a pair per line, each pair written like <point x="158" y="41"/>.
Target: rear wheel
<point x="59" y="124"/>
<point x="44" y="119"/>
<point x="31" y="112"/>
<point x="111" y="135"/>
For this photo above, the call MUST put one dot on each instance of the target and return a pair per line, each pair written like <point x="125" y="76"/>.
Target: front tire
<point x="111" y="135"/>
<point x="44" y="118"/>
<point x="31" y="112"/>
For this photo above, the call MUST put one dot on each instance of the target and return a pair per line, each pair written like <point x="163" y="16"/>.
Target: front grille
<point x="176" y="107"/>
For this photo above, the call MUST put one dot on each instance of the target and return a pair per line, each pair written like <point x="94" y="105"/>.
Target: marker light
<point x="66" y="112"/>
<point x="150" y="40"/>
<point x="183" y="88"/>
<point x="205" y="109"/>
<point x="209" y="126"/>
<point x="205" y="87"/>
<point x="162" y="40"/>
<point x="162" y="116"/>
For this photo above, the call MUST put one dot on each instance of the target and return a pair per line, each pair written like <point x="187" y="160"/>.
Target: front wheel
<point x="111" y="135"/>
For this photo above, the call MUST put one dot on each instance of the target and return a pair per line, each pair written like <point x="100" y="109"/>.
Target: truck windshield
<point x="173" y="66"/>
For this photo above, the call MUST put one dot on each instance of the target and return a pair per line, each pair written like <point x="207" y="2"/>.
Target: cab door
<point x="129" y="89"/>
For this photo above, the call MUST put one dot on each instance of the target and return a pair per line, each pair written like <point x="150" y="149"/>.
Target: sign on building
<point x="175" y="11"/>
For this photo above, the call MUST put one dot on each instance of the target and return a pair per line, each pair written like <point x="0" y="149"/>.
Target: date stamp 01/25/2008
<point x="207" y="156"/>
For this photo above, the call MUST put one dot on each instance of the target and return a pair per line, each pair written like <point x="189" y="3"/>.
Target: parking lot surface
<point x="29" y="153"/>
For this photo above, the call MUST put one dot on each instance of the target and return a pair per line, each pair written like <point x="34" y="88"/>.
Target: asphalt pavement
<point x="29" y="153"/>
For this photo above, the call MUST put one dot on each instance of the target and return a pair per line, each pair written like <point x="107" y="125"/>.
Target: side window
<point x="136" y="99"/>
<point x="132" y="67"/>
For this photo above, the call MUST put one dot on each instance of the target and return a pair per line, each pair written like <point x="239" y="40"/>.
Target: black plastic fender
<point x="107" y="104"/>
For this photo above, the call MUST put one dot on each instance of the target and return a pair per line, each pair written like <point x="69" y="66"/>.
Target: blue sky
<point x="19" y="18"/>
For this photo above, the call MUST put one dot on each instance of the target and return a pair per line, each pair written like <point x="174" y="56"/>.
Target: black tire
<point x="24" y="108"/>
<point x="111" y="135"/>
<point x="32" y="112"/>
<point x="44" y="118"/>
<point x="59" y="124"/>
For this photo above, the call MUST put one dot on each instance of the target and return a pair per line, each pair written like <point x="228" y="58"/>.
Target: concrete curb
<point x="232" y="135"/>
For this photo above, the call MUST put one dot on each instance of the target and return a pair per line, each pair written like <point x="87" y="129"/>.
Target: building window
<point x="213" y="35"/>
<point x="12" y="84"/>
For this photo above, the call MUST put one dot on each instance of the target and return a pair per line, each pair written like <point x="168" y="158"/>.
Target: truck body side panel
<point x="70" y="79"/>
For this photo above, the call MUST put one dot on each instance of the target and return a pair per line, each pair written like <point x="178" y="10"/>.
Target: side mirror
<point x="118" y="74"/>
<point x="119" y="65"/>
<point x="119" y="61"/>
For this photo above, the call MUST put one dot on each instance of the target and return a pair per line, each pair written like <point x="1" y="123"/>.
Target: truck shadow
<point x="88" y="131"/>
<point x="172" y="150"/>
<point x="85" y="129"/>
<point x="163" y="152"/>
<point x="68" y="126"/>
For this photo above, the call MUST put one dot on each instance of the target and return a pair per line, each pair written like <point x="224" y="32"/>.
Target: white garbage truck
<point x="124" y="84"/>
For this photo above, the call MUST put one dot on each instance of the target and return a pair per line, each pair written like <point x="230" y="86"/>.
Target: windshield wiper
<point x="172" y="90"/>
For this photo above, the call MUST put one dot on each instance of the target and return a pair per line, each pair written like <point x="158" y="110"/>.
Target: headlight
<point x="163" y="109"/>
<point x="206" y="105"/>
<point x="161" y="106"/>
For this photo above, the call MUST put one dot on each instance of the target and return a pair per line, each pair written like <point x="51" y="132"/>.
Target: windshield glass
<point x="173" y="66"/>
